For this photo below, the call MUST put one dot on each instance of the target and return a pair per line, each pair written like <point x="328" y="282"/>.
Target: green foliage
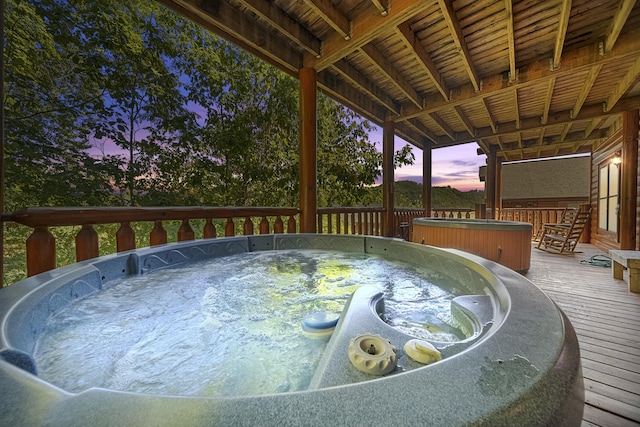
<point x="408" y="194"/>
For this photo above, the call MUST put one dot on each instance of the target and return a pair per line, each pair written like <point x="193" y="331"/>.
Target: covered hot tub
<point x="505" y="242"/>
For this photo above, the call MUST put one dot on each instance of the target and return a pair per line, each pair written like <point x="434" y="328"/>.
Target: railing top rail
<point x="66" y="216"/>
<point x="350" y="209"/>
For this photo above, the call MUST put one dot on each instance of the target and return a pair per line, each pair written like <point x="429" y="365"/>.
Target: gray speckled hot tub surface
<point x="521" y="366"/>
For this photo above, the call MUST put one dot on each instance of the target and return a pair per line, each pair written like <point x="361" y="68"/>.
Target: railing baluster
<point x="338" y="223"/>
<point x="86" y="243"/>
<point x="278" y="225"/>
<point x="41" y="251"/>
<point x="209" y="229"/>
<point x="125" y="237"/>
<point x="264" y="226"/>
<point x="229" y="228"/>
<point x="185" y="232"/>
<point x="330" y="223"/>
<point x="247" y="227"/>
<point x="292" y="227"/>
<point x="158" y="235"/>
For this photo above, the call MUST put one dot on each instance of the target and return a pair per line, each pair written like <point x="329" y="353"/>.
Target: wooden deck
<point x="606" y="317"/>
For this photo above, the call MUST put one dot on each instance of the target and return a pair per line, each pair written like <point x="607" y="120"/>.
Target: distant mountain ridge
<point x="408" y="194"/>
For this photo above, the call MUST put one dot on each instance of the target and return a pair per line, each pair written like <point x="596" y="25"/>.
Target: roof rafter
<point x="423" y="58"/>
<point x="383" y="6"/>
<point x="513" y="73"/>
<point x="458" y="38"/>
<point x="563" y="22"/>
<point x="463" y="118"/>
<point x="442" y="125"/>
<point x="231" y="24"/>
<point x="359" y="80"/>
<point x="487" y="109"/>
<point x="586" y="88"/>
<point x="629" y="79"/>
<point x="332" y="16"/>
<point x="574" y="61"/>
<point x="365" y="28"/>
<point x="547" y="101"/>
<point x="618" y="21"/>
<point x="385" y="66"/>
<point x="285" y="24"/>
<point x="588" y="113"/>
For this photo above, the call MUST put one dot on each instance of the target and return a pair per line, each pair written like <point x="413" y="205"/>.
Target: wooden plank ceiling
<point x="534" y="78"/>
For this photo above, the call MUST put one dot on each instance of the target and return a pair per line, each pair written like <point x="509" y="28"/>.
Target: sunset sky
<point x="455" y="166"/>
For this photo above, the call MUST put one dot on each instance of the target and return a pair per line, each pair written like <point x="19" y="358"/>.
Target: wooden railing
<point x="364" y="221"/>
<point x="41" y="244"/>
<point x="534" y="216"/>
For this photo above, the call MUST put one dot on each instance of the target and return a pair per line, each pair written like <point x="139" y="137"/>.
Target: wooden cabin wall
<point x="606" y="240"/>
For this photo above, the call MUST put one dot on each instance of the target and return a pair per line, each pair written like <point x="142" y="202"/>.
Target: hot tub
<point x="505" y="242"/>
<point x="518" y="362"/>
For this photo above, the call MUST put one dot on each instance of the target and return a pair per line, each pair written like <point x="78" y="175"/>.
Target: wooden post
<point x="308" y="152"/>
<point x="158" y="235"/>
<point x="86" y="243"/>
<point x="427" y="189"/>
<point x="490" y="181"/>
<point x="498" y="203"/>
<point x="125" y="237"/>
<point x="628" y="185"/>
<point x="2" y="144"/>
<point x="41" y="251"/>
<point x="388" y="178"/>
<point x="185" y="232"/>
<point x="209" y="230"/>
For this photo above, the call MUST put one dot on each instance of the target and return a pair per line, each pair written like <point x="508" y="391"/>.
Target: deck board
<point x="606" y="317"/>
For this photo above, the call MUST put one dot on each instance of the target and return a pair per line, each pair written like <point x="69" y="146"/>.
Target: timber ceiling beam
<point x="563" y="22"/>
<point x="573" y="61"/>
<point x="465" y="121"/>
<point x="386" y="68"/>
<point x="618" y="21"/>
<point x="487" y="109"/>
<point x="586" y="89"/>
<point x="363" y="83"/>
<point x="443" y="125"/>
<point x="588" y="113"/>
<point x="513" y="73"/>
<point x="277" y="18"/>
<point x="338" y="89"/>
<point x="627" y="82"/>
<point x="423" y="58"/>
<point x="450" y="18"/>
<point x="547" y="101"/>
<point x="383" y="6"/>
<point x="332" y="16"/>
<point x="366" y="27"/>
<point x="231" y="24"/>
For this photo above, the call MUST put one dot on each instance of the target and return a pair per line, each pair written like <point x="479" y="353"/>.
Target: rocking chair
<point x="562" y="238"/>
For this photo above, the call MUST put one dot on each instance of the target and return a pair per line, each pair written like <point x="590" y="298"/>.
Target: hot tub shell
<point x="520" y="367"/>
<point x="505" y="242"/>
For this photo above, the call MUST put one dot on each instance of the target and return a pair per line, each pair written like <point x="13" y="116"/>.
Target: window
<point x="608" y="199"/>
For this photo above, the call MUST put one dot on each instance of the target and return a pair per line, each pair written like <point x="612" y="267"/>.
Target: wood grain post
<point x="278" y="225"/>
<point x="427" y="189"/>
<point x="125" y="237"/>
<point x="185" y="232"/>
<point x="158" y="235"/>
<point x="209" y="230"/>
<point x="229" y="228"/>
<point x="388" y="132"/>
<point x="308" y="150"/>
<point x="86" y="243"/>
<point x="629" y="181"/>
<point x="41" y="251"/>
<point x="247" y="227"/>
<point x="490" y="181"/>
